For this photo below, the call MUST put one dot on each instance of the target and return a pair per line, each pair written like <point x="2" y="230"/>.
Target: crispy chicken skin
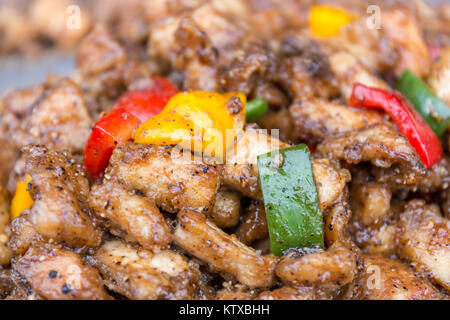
<point x="224" y="253"/>
<point x="59" y="274"/>
<point x="424" y="240"/>
<point x="125" y="213"/>
<point x="59" y="188"/>
<point x="140" y="274"/>
<point x="173" y="184"/>
<point x="387" y="279"/>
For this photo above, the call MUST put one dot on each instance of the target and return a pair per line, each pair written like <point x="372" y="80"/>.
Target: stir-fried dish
<point x="228" y="149"/>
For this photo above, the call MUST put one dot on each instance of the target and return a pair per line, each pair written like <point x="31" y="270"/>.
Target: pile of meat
<point x="157" y="229"/>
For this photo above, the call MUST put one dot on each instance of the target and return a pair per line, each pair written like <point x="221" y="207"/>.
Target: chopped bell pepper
<point x="326" y="21"/>
<point x="144" y="104"/>
<point x="435" y="112"/>
<point x="408" y="120"/>
<point x="22" y="199"/>
<point x="255" y="109"/>
<point x="199" y="121"/>
<point x="291" y="199"/>
<point x="130" y="110"/>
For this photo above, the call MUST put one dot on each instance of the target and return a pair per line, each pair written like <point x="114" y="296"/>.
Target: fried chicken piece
<point x="439" y="76"/>
<point x="315" y="119"/>
<point x="387" y="279"/>
<point x="336" y="218"/>
<point x="224" y="253"/>
<point x="173" y="183"/>
<point x="129" y="215"/>
<point x="254" y="224"/>
<point x="22" y="234"/>
<point x="59" y="274"/>
<point x="227" y="208"/>
<point x="371" y="46"/>
<point x="196" y="57"/>
<point x="99" y="52"/>
<point x="330" y="181"/>
<point x="370" y="200"/>
<point x="380" y="144"/>
<point x="402" y="28"/>
<point x="349" y="70"/>
<point x="53" y="120"/>
<point x="248" y="68"/>
<point x="59" y="188"/>
<point x="334" y="267"/>
<point x="20" y="101"/>
<point x="424" y="239"/>
<point x="142" y="275"/>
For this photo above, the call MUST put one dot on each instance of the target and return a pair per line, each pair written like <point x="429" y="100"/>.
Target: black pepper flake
<point x="52" y="274"/>
<point x="66" y="288"/>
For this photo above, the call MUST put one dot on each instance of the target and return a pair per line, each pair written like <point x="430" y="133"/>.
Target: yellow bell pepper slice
<point x="22" y="199"/>
<point x="199" y="121"/>
<point x="326" y="21"/>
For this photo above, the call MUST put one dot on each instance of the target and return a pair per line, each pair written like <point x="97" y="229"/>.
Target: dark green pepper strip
<point x="435" y="112"/>
<point x="255" y="109"/>
<point x="291" y="199"/>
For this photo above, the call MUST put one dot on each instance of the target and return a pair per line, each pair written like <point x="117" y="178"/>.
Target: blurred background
<point x="35" y="38"/>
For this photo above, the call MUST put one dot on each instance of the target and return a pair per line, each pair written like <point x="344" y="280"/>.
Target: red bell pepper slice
<point x="109" y="131"/>
<point x="408" y="120"/>
<point x="144" y="104"/>
<point x="129" y="111"/>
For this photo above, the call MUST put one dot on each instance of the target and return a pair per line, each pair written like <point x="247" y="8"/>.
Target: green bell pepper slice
<point x="291" y="199"/>
<point x="255" y="109"/>
<point x="433" y="110"/>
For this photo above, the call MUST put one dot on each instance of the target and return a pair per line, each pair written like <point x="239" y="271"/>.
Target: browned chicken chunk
<point x="59" y="274"/>
<point x="140" y="274"/>
<point x="424" y="239"/>
<point x="126" y="213"/>
<point x="387" y="279"/>
<point x="224" y="253"/>
<point x="172" y="184"/>
<point x="59" y="188"/>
